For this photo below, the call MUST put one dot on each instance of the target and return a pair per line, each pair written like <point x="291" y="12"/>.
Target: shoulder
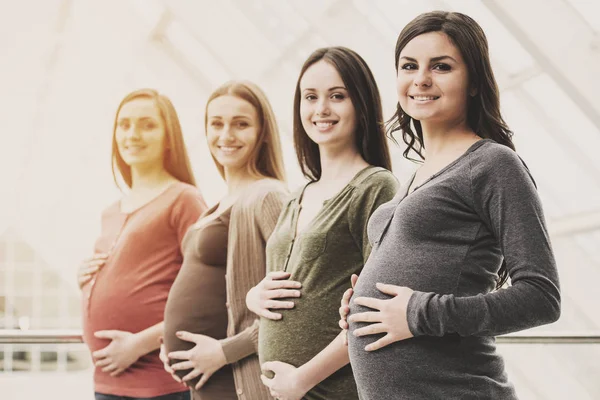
<point x="259" y="192"/>
<point x="376" y="177"/>
<point x="492" y="156"/>
<point x="185" y="192"/>
<point x="114" y="208"/>
<point x="185" y="198"/>
<point x="496" y="163"/>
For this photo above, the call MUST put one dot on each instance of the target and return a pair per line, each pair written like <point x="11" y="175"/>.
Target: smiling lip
<point x="418" y="97"/>
<point x="229" y="149"/>
<point x="134" y="148"/>
<point x="324" y="125"/>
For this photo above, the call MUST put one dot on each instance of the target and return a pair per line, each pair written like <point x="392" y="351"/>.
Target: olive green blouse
<point x="323" y="257"/>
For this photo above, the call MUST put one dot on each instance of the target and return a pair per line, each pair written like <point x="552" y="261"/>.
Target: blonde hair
<point x="176" y="161"/>
<point x="266" y="159"/>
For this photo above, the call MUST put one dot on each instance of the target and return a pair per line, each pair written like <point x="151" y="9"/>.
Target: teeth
<point x="228" y="148"/>
<point x="424" y="98"/>
<point x="323" y="124"/>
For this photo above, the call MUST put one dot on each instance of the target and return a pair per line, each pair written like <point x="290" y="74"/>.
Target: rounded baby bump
<point x="196" y="304"/>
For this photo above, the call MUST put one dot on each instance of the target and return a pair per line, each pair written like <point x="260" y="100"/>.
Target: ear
<point x="473" y="92"/>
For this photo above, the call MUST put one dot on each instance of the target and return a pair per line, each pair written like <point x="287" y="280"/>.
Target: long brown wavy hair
<point x="370" y="138"/>
<point x="483" y="109"/>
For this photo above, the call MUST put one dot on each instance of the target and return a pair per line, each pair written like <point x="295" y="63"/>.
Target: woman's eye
<point x="442" y="67"/>
<point x="338" y="96"/>
<point x="215" y="124"/>
<point x="409" y="66"/>
<point x="310" y="97"/>
<point x="242" y="125"/>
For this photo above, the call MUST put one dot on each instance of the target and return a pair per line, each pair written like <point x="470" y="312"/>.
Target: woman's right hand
<point x="261" y="298"/>
<point x="345" y="308"/>
<point x="90" y="267"/>
<point x="166" y="363"/>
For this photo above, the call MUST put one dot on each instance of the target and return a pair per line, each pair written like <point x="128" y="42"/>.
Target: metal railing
<point x="41" y="336"/>
<point x="57" y="336"/>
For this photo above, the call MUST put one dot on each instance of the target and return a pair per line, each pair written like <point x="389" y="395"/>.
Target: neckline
<point x="298" y="207"/>
<point x="469" y="150"/>
<point x="350" y="182"/>
<point x="160" y="194"/>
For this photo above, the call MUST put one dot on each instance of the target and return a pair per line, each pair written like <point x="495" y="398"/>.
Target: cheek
<point x="211" y="138"/>
<point x="305" y="116"/>
<point x="402" y="85"/>
<point x="250" y="137"/>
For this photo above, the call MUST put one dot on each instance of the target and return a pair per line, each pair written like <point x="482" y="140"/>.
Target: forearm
<point x="521" y="306"/>
<point x="329" y="360"/>
<point x="148" y="340"/>
<point x="241" y="345"/>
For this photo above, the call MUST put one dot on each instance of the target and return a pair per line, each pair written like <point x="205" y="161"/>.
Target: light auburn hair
<point x="266" y="160"/>
<point x="176" y="161"/>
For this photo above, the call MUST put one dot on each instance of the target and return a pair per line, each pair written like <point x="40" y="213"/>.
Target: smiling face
<point x="326" y="109"/>
<point x="433" y="81"/>
<point x="140" y="133"/>
<point x="232" y="130"/>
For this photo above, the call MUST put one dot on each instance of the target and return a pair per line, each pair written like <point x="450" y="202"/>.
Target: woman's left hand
<point x="205" y="358"/>
<point x="286" y="385"/>
<point x="390" y="317"/>
<point x="119" y="355"/>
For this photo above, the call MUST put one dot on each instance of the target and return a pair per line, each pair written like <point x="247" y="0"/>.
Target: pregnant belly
<point x="119" y="310"/>
<point x="414" y="366"/>
<point x="196" y="304"/>
<point x="301" y="333"/>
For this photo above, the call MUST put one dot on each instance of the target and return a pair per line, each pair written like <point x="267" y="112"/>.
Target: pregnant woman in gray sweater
<point x="428" y="302"/>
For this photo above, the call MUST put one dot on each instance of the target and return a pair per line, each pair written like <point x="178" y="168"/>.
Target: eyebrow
<point x="234" y="117"/>
<point x="139" y="119"/>
<point x="434" y="59"/>
<point x="330" y="89"/>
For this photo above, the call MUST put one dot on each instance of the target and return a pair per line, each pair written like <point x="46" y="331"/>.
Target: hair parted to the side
<point x="483" y="109"/>
<point x="176" y="160"/>
<point x="371" y="140"/>
<point x="266" y="159"/>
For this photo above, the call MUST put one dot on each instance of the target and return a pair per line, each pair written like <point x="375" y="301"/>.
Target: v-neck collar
<point x="298" y="205"/>
<point x="471" y="148"/>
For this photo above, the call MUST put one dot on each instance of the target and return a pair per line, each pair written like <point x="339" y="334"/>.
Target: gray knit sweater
<point x="446" y="240"/>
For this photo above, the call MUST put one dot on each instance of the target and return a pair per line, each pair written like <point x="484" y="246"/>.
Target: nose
<point x="133" y="131"/>
<point x="227" y="133"/>
<point x="322" y="107"/>
<point x="422" y="78"/>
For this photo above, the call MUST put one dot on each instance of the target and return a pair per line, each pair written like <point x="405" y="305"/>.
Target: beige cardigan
<point x="253" y="218"/>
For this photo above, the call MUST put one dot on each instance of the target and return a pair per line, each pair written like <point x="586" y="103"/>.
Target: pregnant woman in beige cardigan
<point x="210" y="336"/>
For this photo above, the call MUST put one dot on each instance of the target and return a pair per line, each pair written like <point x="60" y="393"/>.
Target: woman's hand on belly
<point x="262" y="297"/>
<point x="345" y="308"/>
<point x="287" y="382"/>
<point x="166" y="365"/>
<point x="119" y="355"/>
<point x="389" y="318"/>
<point x="205" y="358"/>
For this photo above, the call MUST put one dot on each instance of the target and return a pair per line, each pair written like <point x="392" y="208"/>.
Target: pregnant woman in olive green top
<point x="320" y="238"/>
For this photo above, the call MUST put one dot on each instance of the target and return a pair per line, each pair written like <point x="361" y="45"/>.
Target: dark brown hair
<point x="371" y="141"/>
<point x="483" y="109"/>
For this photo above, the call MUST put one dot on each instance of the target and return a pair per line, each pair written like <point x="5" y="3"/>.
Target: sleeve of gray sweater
<point x="504" y="195"/>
